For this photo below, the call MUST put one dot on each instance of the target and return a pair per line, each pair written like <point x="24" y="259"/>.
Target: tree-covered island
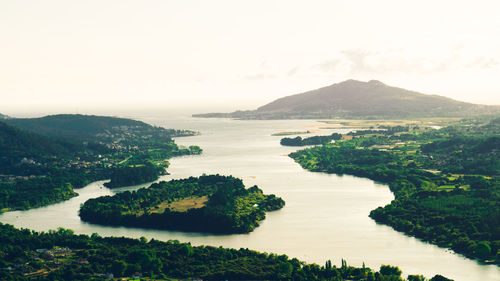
<point x="315" y="140"/>
<point x="446" y="182"/>
<point x="213" y="203"/>
<point x="42" y="160"/>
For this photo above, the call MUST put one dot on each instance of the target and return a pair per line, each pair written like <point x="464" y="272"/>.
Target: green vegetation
<point x="298" y="141"/>
<point x="37" y="170"/>
<point x="62" y="255"/>
<point x="133" y="175"/>
<point x="214" y="203"/>
<point x="446" y="182"/>
<point x="92" y="128"/>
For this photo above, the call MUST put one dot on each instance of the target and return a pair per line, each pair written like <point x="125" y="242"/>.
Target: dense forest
<point x="15" y="143"/>
<point x="34" y="170"/>
<point x="446" y="182"/>
<point x="62" y="255"/>
<point x="133" y="175"/>
<point x="299" y="141"/>
<point x="37" y="170"/>
<point x="214" y="203"/>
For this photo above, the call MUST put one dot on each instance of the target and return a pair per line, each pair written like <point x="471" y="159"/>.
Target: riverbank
<point x="326" y="216"/>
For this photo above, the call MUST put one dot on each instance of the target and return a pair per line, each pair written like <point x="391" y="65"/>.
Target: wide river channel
<point x="325" y="217"/>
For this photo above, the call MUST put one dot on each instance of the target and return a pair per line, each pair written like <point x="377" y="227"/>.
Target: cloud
<point x="483" y="63"/>
<point x="261" y="76"/>
<point x="357" y="60"/>
<point x="293" y="71"/>
<point x="360" y="61"/>
<point x="265" y="65"/>
<point x="329" y="66"/>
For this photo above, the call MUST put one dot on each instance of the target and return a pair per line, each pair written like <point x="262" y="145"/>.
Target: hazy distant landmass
<point x="92" y="128"/>
<point x="357" y="99"/>
<point x="2" y="116"/>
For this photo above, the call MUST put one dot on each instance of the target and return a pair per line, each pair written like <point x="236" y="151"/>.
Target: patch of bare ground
<point x="182" y="205"/>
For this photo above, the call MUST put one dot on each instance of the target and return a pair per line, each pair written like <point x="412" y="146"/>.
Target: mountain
<point x="357" y="99"/>
<point x="90" y="128"/>
<point x="2" y="116"/>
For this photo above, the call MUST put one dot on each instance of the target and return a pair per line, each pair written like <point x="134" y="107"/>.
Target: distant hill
<point x="356" y="99"/>
<point x="2" y="116"/>
<point x="89" y="127"/>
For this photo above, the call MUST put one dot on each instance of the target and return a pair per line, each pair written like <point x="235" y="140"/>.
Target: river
<point x="325" y="217"/>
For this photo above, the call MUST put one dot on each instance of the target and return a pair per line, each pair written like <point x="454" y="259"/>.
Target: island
<point x="209" y="203"/>
<point x="289" y="133"/>
<point x="134" y="174"/>
<point x="445" y="181"/>
<point x="299" y="141"/>
<point x="42" y="160"/>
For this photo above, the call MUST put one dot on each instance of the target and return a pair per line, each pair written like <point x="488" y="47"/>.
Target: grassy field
<point x="182" y="205"/>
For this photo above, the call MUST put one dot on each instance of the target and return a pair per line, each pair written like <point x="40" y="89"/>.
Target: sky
<point x="96" y="55"/>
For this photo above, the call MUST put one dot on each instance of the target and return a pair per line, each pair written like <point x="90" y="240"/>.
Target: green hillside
<point x="16" y="144"/>
<point x="74" y="150"/>
<point x="90" y="127"/>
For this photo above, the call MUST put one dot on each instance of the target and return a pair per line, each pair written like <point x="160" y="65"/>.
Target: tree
<point x="416" y="278"/>
<point x="390" y="270"/>
<point x="439" y="278"/>
<point x="187" y="250"/>
<point x="483" y="249"/>
<point x="118" y="267"/>
<point x="285" y="270"/>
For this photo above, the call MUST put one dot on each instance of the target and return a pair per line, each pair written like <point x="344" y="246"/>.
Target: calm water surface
<point x="325" y="217"/>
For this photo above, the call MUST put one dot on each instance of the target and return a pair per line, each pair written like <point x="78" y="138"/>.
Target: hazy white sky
<point x="84" y="55"/>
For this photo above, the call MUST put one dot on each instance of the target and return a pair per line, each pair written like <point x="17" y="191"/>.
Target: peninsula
<point x="44" y="159"/>
<point x="446" y="182"/>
